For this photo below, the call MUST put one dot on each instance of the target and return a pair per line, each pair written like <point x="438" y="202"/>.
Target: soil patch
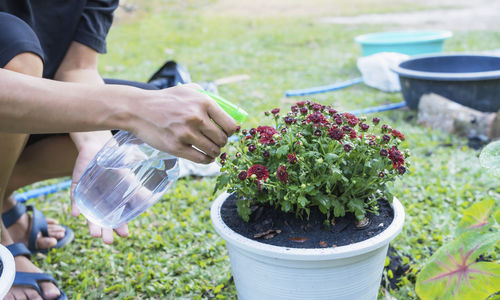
<point x="463" y="16"/>
<point x="277" y="228"/>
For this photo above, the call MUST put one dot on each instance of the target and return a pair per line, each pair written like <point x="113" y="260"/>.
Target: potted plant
<point x="7" y="270"/>
<point x="308" y="213"/>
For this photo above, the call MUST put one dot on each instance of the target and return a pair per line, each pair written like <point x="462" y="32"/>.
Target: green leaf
<point x="286" y="206"/>
<point x="302" y="201"/>
<point x="222" y="182"/>
<point x="476" y="217"/>
<point x="454" y="273"/>
<point x="323" y="200"/>
<point x="243" y="208"/>
<point x="283" y="150"/>
<point x="490" y="157"/>
<point x="338" y="208"/>
<point x="497" y="216"/>
<point x="331" y="157"/>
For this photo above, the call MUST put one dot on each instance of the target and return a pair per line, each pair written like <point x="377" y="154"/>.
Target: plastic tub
<point x="472" y="80"/>
<point x="406" y="42"/>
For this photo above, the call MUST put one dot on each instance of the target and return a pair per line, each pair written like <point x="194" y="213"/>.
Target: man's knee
<point x="20" y="48"/>
<point x="27" y="63"/>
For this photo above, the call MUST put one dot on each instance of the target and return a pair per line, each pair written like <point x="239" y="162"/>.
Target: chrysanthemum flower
<point x="260" y="171"/>
<point x="282" y="174"/>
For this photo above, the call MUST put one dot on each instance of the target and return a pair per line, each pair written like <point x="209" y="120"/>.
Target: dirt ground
<point x="465" y="15"/>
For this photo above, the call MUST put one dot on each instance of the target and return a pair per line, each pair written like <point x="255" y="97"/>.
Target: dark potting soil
<point x="278" y="228"/>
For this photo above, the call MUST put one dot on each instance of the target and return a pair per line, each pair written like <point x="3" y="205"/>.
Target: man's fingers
<point x="190" y="153"/>
<point x="204" y="144"/>
<point x="122" y="230"/>
<point x="95" y="230"/>
<point x="215" y="134"/>
<point x="216" y="113"/>
<point x="107" y="235"/>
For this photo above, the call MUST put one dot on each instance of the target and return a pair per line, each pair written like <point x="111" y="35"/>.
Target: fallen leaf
<point x="298" y="239"/>
<point x="261" y="234"/>
<point x="323" y="244"/>
<point x="268" y="234"/>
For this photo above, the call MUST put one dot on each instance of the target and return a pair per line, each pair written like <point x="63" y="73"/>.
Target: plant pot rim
<point x="354" y="249"/>
<point x="8" y="272"/>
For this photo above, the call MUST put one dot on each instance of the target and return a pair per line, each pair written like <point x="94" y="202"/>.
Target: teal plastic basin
<point x="406" y="42"/>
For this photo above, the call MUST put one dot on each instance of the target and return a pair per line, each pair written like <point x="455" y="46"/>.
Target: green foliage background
<point x="173" y="252"/>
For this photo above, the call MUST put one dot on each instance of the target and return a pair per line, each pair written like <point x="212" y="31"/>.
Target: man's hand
<point x="183" y="122"/>
<point x="88" y="144"/>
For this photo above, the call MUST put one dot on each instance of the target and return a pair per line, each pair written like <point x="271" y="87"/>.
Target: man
<point x="49" y="84"/>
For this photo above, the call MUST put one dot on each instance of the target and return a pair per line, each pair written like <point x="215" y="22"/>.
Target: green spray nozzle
<point x="234" y="111"/>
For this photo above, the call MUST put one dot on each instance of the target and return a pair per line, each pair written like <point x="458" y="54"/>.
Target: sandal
<point x="38" y="224"/>
<point x="31" y="279"/>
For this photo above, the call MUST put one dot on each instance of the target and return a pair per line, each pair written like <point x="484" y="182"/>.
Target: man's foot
<point x="20" y="232"/>
<point x="49" y="289"/>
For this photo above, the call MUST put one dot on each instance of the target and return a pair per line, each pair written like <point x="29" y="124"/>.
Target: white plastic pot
<point x="9" y="271"/>
<point x="267" y="272"/>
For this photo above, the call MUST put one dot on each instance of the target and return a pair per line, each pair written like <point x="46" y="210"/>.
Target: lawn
<point x="173" y="252"/>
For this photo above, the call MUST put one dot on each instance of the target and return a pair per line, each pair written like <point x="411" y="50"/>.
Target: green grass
<point x="173" y="252"/>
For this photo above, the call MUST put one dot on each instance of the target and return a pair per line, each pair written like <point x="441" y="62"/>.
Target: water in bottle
<point x="125" y="178"/>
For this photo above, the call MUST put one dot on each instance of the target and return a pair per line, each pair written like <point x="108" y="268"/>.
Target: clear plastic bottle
<point x="125" y="178"/>
<point x="127" y="175"/>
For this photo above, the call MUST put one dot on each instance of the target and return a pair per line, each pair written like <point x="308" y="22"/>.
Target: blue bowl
<point x="472" y="80"/>
<point x="406" y="42"/>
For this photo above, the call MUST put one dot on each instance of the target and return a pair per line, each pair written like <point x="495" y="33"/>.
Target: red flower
<point x="242" y="175"/>
<point x="282" y="174"/>
<point x="353" y="134"/>
<point x="351" y="119"/>
<point x="288" y="120"/>
<point x="260" y="171"/>
<point x="266" y="134"/>
<point x="292" y="158"/>
<point x="396" y="157"/>
<point x="335" y="134"/>
<point x="316" y="106"/>
<point x="275" y="111"/>
<point x="301" y="103"/>
<point x="398" y="134"/>
<point x="316" y="118"/>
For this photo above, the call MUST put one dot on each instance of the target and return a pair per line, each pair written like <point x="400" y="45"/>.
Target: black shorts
<point x="17" y="37"/>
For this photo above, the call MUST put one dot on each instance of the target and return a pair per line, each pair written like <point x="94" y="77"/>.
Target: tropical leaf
<point x="477" y="217"/>
<point x="453" y="273"/>
<point x="490" y="157"/>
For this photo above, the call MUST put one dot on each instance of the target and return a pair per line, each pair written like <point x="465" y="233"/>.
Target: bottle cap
<point x="234" y="111"/>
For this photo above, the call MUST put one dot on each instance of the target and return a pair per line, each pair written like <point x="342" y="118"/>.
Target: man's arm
<point x="172" y="120"/>
<point x="36" y="105"/>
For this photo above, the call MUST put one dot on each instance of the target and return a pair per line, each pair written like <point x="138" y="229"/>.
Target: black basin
<point x="469" y="79"/>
